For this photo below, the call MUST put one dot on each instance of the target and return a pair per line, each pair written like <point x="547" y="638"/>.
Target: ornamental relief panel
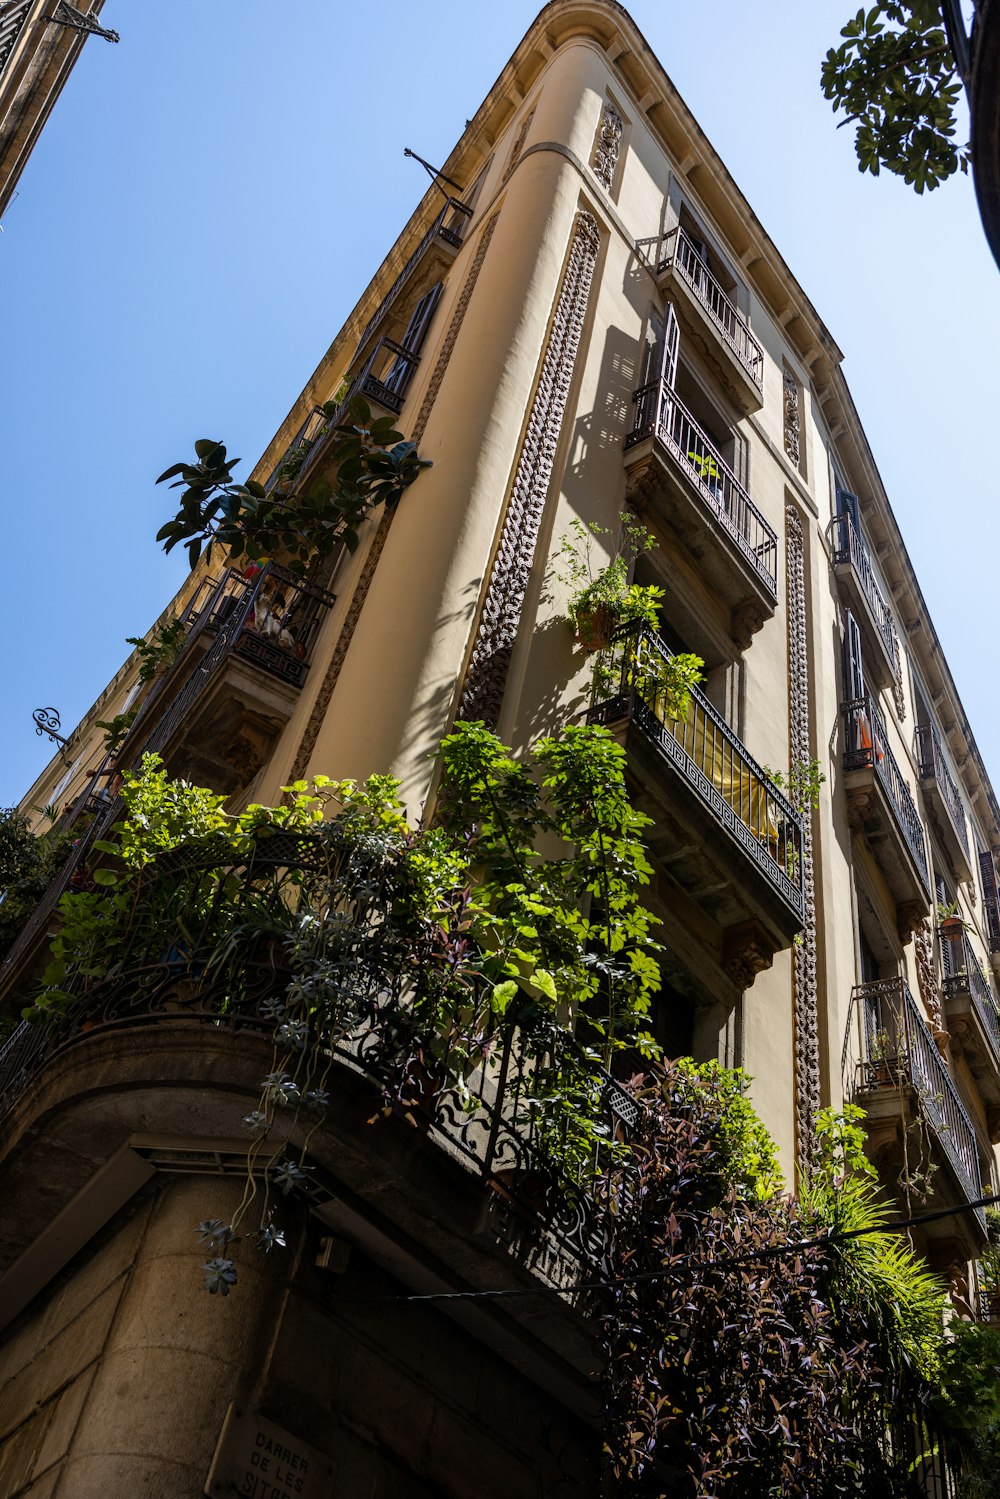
<point x="607" y="145"/>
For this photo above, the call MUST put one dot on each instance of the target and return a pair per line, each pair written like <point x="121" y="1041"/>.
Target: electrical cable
<point x="771" y="1251"/>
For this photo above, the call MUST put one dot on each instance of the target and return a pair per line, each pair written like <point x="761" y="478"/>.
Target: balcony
<point x="853" y="570"/>
<point x="675" y="469"/>
<point x="879" y="803"/>
<point x="708" y="316"/>
<point x="184" y="967"/>
<point x="439" y="244"/>
<point x="215" y="719"/>
<point x="942" y="794"/>
<point x="971" y="1013"/>
<point x="900" y="1078"/>
<point x="729" y="838"/>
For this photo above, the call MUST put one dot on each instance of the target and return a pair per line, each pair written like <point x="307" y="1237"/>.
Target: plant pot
<point x="595" y="627"/>
<point x="952" y="927"/>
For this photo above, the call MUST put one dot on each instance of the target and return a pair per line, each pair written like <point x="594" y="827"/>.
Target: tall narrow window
<point x="854" y="675"/>
<point x="398" y="377"/>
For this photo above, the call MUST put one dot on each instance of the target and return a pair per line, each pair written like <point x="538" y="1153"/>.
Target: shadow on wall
<point x="598" y="435"/>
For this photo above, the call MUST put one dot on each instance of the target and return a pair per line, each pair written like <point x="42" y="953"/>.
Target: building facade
<point x="594" y="321"/>
<point x="39" y="45"/>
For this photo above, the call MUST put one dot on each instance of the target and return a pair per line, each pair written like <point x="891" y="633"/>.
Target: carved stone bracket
<point x="860" y="806"/>
<point x="746" y="619"/>
<point x="500" y="618"/>
<point x="607" y="145"/>
<point x="363" y="584"/>
<point x="993" y="1124"/>
<point x="909" y="915"/>
<point x="745" y="953"/>
<point x="806" y="996"/>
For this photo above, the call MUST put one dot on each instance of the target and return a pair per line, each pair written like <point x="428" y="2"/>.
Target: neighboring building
<point x="597" y="319"/>
<point x="979" y="61"/>
<point x="40" y="40"/>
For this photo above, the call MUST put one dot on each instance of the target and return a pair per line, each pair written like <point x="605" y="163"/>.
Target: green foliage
<point x="520" y="911"/>
<point x="802" y="783"/>
<point x="607" y="587"/>
<point x="29" y="863"/>
<point x="749" y="1161"/>
<point x="116" y="729"/>
<point x="876" y="1280"/>
<point x="372" y="463"/>
<point x="895" y="77"/>
<point x="161" y="651"/>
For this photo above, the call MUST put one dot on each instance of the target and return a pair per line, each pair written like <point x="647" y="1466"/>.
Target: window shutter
<point x="854" y="676"/>
<point x="671" y="346"/>
<point x="991" y="898"/>
<point x="398" y="377"/>
<point x="847" y="504"/>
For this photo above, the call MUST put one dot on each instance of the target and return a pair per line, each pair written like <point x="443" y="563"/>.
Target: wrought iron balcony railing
<point x="868" y="748"/>
<point x="487" y="1089"/>
<point x="679" y="252"/>
<point x="963" y="974"/>
<point x="932" y="765"/>
<point x="660" y="413"/>
<point x="630" y="680"/>
<point x="898" y="1050"/>
<point x="272" y="617"/>
<point x="847" y="547"/>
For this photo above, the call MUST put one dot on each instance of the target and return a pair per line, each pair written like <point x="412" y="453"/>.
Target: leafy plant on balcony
<point x="802" y="783"/>
<point x="372" y="463"/>
<point x="414" y="950"/>
<point x="158" y="653"/>
<point x="116" y="729"/>
<point x="601" y="599"/>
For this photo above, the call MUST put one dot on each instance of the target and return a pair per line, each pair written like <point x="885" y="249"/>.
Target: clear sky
<point x="210" y="197"/>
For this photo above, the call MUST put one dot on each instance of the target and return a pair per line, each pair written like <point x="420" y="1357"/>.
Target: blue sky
<point x="211" y="196"/>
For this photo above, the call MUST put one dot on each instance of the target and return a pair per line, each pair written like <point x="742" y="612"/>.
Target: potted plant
<point x="708" y="472"/>
<point x="950" y="923"/>
<point x="602" y="599"/>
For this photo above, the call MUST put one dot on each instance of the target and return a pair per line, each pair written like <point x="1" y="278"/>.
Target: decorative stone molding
<point x="993" y="1124"/>
<point x="745" y="953"/>
<point x="500" y="617"/>
<point x="898" y="693"/>
<point x="806" y="997"/>
<point x="746" y="619"/>
<point x="923" y="952"/>
<point x="792" y="430"/>
<point x="607" y="145"/>
<point x="363" y="584"/>
<point x="519" y="139"/>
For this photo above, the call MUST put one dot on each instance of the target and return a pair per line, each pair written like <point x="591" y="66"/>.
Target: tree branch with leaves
<point x="896" y="79"/>
<point x="372" y="466"/>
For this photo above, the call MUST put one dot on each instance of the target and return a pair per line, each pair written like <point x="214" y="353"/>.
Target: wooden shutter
<point x="399" y="375"/>
<point x="847" y="504"/>
<point x="854" y="675"/>
<point x="991" y="898"/>
<point x="670" y="347"/>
